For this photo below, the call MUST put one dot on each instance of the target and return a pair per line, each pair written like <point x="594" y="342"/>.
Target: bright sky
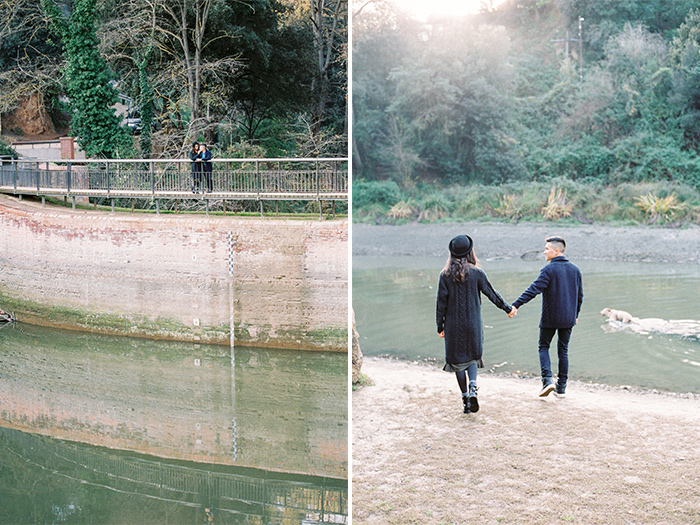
<point x="424" y="8"/>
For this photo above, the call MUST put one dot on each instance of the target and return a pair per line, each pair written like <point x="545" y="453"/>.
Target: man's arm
<point x="538" y="286"/>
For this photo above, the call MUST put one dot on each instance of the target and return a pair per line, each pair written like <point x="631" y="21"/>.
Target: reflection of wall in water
<point x="64" y="479"/>
<point x="288" y="392"/>
<point x="153" y="398"/>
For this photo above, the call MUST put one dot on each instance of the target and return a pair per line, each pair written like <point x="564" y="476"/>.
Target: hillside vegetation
<point x="498" y="115"/>
<point x="262" y="78"/>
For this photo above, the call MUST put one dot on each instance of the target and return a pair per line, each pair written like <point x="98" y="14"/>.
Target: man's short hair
<point x="558" y="242"/>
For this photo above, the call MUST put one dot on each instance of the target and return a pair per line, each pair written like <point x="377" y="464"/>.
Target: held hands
<point x="513" y="312"/>
<point x="442" y="334"/>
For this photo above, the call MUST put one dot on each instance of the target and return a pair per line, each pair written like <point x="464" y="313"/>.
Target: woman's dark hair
<point x="458" y="267"/>
<point x="195" y="144"/>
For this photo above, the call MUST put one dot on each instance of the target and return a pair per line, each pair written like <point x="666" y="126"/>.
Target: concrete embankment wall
<point x="168" y="276"/>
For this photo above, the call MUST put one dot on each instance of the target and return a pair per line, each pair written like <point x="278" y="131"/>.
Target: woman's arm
<point x="489" y="291"/>
<point x="441" y="306"/>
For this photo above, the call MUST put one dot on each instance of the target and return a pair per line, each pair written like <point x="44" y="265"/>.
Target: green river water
<point x="100" y="429"/>
<point x="394" y="302"/>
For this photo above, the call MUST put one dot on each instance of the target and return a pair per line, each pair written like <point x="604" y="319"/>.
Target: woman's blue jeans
<point x="546" y="335"/>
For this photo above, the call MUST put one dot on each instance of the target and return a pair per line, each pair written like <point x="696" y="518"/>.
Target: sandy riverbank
<point x="598" y="456"/>
<point x="602" y="455"/>
<point x="584" y="242"/>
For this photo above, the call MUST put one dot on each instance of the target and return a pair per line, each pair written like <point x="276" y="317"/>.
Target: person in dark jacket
<point x="205" y="157"/>
<point x="196" y="167"/>
<point x="458" y="314"/>
<point x="561" y="287"/>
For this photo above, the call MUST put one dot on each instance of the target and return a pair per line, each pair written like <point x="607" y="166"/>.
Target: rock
<point x="356" y="352"/>
<point x="30" y="117"/>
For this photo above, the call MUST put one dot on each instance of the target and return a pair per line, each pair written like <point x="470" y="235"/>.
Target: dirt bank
<point x="597" y="241"/>
<point x="601" y="455"/>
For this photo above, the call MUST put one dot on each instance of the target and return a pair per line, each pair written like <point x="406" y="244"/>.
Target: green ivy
<point x="7" y="150"/>
<point x="87" y="82"/>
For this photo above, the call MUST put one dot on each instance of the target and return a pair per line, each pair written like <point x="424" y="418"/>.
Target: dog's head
<point x="606" y="312"/>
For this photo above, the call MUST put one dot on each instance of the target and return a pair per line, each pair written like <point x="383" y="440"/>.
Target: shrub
<point x="435" y="207"/>
<point x="382" y="193"/>
<point x="510" y="206"/>
<point x="7" y="150"/>
<point x="403" y="210"/>
<point x="659" y="208"/>
<point x="557" y="205"/>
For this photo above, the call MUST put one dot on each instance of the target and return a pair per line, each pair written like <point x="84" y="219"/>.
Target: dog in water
<point x="617" y="315"/>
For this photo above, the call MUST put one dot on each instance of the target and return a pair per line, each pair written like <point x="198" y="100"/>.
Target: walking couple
<point x="462" y="282"/>
<point x="200" y="156"/>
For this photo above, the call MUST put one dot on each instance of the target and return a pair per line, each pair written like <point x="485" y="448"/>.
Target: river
<point x="97" y="428"/>
<point x="394" y="303"/>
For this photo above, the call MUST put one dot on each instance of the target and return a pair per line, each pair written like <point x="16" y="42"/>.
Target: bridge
<point x="263" y="179"/>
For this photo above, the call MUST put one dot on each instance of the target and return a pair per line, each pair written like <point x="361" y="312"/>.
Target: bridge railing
<point x="225" y="488"/>
<point x="283" y="178"/>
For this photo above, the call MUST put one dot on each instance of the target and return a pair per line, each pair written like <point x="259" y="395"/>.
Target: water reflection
<point x="394" y="302"/>
<point x="177" y="400"/>
<point x="45" y="480"/>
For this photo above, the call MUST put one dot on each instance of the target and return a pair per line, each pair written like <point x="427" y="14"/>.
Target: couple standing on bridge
<point x="200" y="156"/>
<point x="459" y="313"/>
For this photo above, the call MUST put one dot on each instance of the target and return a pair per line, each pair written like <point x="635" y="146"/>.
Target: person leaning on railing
<point x="196" y="167"/>
<point x="205" y="157"/>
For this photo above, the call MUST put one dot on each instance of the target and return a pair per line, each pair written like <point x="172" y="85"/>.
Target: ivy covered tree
<point x="87" y="81"/>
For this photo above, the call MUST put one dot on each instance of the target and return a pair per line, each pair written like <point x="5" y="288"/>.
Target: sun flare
<point x="423" y="9"/>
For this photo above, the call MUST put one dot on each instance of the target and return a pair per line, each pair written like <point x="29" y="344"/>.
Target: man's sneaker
<point x="559" y="394"/>
<point x="546" y="390"/>
<point x="465" y="400"/>
<point x="473" y="401"/>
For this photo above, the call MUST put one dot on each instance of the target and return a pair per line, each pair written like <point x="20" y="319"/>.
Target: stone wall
<point x="168" y="276"/>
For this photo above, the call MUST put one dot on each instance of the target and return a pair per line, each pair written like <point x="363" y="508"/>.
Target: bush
<point x="371" y="192"/>
<point x="555" y="199"/>
<point x="7" y="150"/>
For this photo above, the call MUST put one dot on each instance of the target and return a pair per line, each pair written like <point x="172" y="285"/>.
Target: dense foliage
<point x="494" y="98"/>
<point x="87" y="82"/>
<point x="238" y="75"/>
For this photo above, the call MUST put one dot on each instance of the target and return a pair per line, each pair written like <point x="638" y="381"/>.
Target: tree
<point x="383" y="37"/>
<point x="28" y="63"/>
<point x="685" y="55"/>
<point x="455" y="98"/>
<point x="275" y="50"/>
<point x="87" y="81"/>
<point x="329" y="23"/>
<point x="190" y="38"/>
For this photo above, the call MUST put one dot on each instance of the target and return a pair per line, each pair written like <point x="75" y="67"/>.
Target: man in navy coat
<point x="561" y="287"/>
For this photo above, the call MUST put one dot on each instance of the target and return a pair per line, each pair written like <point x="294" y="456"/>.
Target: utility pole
<point x="580" y="46"/>
<point x="580" y="49"/>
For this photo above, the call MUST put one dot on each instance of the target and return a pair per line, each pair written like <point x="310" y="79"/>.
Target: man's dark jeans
<point x="546" y="335"/>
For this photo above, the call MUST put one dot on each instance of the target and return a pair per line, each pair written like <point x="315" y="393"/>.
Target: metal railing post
<point x="109" y="178"/>
<point x="257" y="177"/>
<point x="279" y="177"/>
<point x="336" y="185"/>
<point x="153" y="179"/>
<point x="68" y="176"/>
<point x="318" y="186"/>
<point x="16" y="174"/>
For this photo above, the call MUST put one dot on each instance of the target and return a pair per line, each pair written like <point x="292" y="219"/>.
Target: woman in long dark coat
<point x="196" y="167"/>
<point x="459" y="315"/>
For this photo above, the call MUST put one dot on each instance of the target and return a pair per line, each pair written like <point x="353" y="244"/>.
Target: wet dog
<point x="617" y="315"/>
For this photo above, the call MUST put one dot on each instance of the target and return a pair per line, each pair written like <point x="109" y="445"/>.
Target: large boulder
<point x="356" y="352"/>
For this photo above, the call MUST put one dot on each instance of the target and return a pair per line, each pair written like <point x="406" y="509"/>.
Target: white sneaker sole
<point x="546" y="390"/>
